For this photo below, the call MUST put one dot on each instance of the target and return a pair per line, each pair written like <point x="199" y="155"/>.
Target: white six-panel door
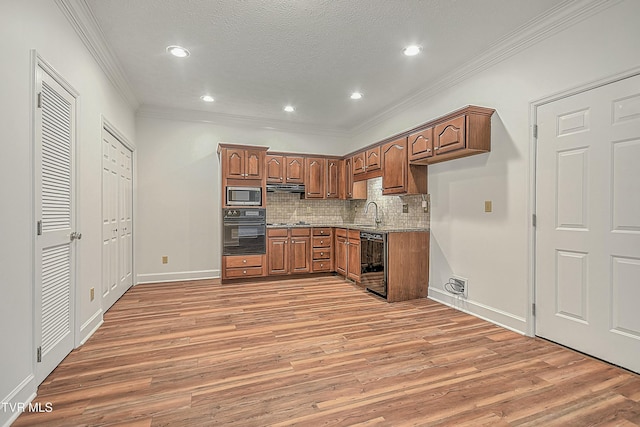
<point x="117" y="251"/>
<point x="54" y="212"/>
<point x="588" y="222"/>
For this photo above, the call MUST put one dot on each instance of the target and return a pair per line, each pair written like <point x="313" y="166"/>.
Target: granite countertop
<point x="361" y="227"/>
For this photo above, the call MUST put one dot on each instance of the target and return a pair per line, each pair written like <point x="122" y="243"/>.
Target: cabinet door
<point x="373" y="159"/>
<point x="275" y="169"/>
<point x="234" y="159"/>
<point x="278" y="254"/>
<point x="315" y="169"/>
<point x="359" y="163"/>
<point x="450" y="136"/>
<point x="348" y="178"/>
<point x="333" y="178"/>
<point x="353" y="269"/>
<point x="300" y="255"/>
<point x="254" y="164"/>
<point x="394" y="167"/>
<point x="294" y="170"/>
<point x="341" y="256"/>
<point x="420" y="144"/>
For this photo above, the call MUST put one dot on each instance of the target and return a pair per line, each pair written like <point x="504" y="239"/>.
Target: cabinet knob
<point x="322" y="232"/>
<point x="244" y="261"/>
<point x="321" y="265"/>
<point x="437" y="148"/>
<point x="428" y="150"/>
<point x="321" y="253"/>
<point x="293" y="241"/>
<point x="244" y="272"/>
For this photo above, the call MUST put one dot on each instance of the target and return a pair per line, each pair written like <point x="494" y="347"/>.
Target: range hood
<point x="285" y="188"/>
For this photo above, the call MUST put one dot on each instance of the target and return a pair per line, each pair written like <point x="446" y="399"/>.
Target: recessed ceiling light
<point x="289" y="109"/>
<point x="356" y="95"/>
<point x="178" y="51"/>
<point x="412" y="50"/>
<point x="207" y="98"/>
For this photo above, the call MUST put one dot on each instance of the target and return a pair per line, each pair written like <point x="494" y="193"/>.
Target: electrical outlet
<point x="405" y="208"/>
<point x="92" y="292"/>
<point x="165" y="259"/>
<point x="461" y="283"/>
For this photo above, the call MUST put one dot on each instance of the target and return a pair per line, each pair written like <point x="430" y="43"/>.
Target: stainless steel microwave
<point x="244" y="196"/>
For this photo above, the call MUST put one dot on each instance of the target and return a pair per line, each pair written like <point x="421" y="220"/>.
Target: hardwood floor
<point x="320" y="351"/>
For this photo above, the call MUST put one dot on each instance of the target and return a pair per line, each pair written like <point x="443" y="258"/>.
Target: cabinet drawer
<point x="322" y="231"/>
<point x="300" y="232"/>
<point x="241" y="261"/>
<point x="354" y="235"/>
<point x="234" y="273"/>
<point x="321" y="253"/>
<point x="277" y="232"/>
<point x="321" y="242"/>
<point x="341" y="232"/>
<point x="321" y="265"/>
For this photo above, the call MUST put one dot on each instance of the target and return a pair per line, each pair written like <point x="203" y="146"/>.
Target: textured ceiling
<point x="255" y="56"/>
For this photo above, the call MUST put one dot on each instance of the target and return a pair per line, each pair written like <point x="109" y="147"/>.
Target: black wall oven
<point x="244" y="231"/>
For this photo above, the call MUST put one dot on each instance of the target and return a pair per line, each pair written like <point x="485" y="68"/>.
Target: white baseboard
<point x="23" y="394"/>
<point x="178" y="276"/>
<point x="90" y="327"/>
<point x="490" y="314"/>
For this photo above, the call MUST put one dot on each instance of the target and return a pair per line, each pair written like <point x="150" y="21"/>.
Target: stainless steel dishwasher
<point x="373" y="261"/>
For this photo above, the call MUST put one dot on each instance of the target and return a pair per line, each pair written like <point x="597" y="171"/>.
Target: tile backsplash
<point x="289" y="208"/>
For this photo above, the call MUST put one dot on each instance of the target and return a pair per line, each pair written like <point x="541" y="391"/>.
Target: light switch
<point x="165" y="259"/>
<point x="487" y="206"/>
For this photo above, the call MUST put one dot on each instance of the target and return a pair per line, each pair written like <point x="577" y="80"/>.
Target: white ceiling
<point x="255" y="56"/>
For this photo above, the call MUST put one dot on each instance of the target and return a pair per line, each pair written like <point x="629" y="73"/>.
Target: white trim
<point x="224" y="119"/>
<point x="24" y="393"/>
<point x="501" y="318"/>
<point x="81" y="18"/>
<point x="533" y="120"/>
<point x="178" y="276"/>
<point x="93" y="323"/>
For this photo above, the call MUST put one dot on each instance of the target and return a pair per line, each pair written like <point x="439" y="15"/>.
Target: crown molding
<point x="86" y="26"/>
<point x="223" y="119"/>
<point x="557" y="19"/>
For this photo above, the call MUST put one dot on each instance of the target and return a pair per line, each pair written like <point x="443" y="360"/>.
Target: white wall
<point x="179" y="200"/>
<point x="40" y="25"/>
<point x="492" y="249"/>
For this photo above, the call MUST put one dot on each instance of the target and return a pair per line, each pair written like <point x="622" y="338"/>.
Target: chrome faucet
<point x="366" y="209"/>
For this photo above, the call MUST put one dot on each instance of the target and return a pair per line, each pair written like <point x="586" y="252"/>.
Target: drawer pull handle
<point x="244" y="272"/>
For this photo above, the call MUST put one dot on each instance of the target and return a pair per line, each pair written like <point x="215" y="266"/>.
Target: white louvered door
<point x="117" y="196"/>
<point x="54" y="210"/>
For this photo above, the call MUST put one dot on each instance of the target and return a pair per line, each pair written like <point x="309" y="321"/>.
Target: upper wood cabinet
<point x="315" y="168"/>
<point x="398" y="176"/>
<point x="244" y="163"/>
<point x="367" y="161"/>
<point x="395" y="164"/>
<point x="285" y="169"/>
<point x="420" y="144"/>
<point x="333" y="178"/>
<point x="459" y="134"/>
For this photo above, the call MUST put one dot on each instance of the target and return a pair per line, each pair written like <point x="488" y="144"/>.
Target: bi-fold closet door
<point x="117" y="219"/>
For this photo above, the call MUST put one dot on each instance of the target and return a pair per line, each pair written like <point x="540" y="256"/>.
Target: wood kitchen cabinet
<point x="462" y="133"/>
<point x="398" y="177"/>
<point x="243" y="163"/>
<point x="315" y="177"/>
<point x="284" y="169"/>
<point x="350" y="189"/>
<point x="367" y="164"/>
<point x="322" y="249"/>
<point x="288" y="251"/>
<point x="408" y="265"/>
<point x="241" y="266"/>
<point x="333" y="178"/>
<point x="347" y="253"/>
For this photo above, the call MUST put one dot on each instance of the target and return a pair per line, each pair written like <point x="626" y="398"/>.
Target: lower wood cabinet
<point x="408" y="265"/>
<point x="347" y="253"/>
<point x="239" y="266"/>
<point x="288" y="251"/>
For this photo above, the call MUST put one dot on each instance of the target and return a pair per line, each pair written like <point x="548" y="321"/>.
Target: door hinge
<point x="535" y="131"/>
<point x="39" y="99"/>
<point x="39" y="354"/>
<point x="39" y="228"/>
<point x="533" y="309"/>
<point x="534" y="220"/>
